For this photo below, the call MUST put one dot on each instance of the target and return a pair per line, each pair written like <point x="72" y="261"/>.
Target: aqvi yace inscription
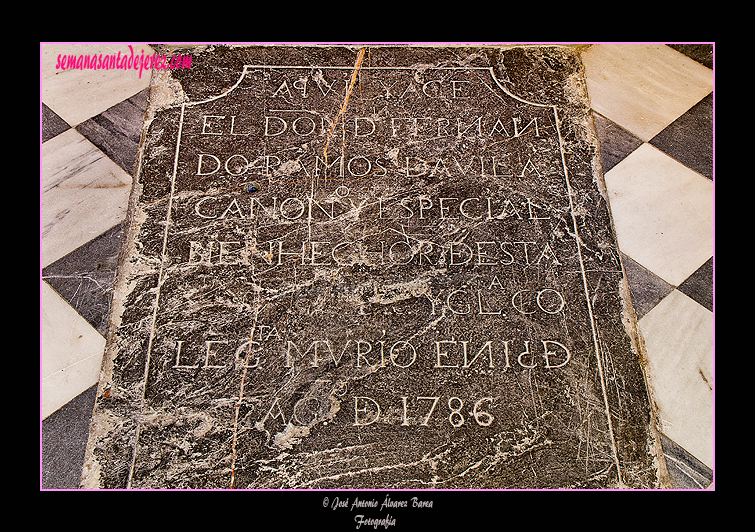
<point x="377" y="267"/>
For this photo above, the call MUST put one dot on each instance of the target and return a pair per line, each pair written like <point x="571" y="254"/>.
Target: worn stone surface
<point x="378" y="267"/>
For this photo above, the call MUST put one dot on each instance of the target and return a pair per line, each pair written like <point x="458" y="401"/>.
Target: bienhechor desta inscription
<point x="371" y="267"/>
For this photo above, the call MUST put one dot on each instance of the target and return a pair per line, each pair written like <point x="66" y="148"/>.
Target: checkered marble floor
<point x="653" y="111"/>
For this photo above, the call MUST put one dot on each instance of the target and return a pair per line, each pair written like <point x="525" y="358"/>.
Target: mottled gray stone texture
<point x="371" y="267"/>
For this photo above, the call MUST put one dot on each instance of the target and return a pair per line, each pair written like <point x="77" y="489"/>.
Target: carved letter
<point x="356" y="126"/>
<point x="440" y="353"/>
<point x="260" y="425"/>
<point x="276" y="133"/>
<point x="365" y="411"/>
<point x="280" y="90"/>
<point x="553" y="310"/>
<point x="479" y="305"/>
<point x="513" y="302"/>
<point x="525" y="352"/>
<point x="209" y="352"/>
<point x="464" y="214"/>
<point x="459" y="254"/>
<point x="178" y="357"/>
<point x="457" y="90"/>
<point x="416" y="173"/>
<point x="199" y="165"/>
<point x="204" y="124"/>
<point x="296" y="129"/>
<point x="487" y="345"/>
<point x="448" y="303"/>
<point x="394" y="356"/>
<point x="547" y="353"/>
<point x="249" y="354"/>
<point x="199" y="204"/>
<point x="481" y="254"/>
<point x="360" y="353"/>
<point x="198" y="254"/>
<point x="301" y="85"/>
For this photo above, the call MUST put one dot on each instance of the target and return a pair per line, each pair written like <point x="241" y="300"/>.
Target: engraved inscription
<point x="311" y="189"/>
<point x="369" y="268"/>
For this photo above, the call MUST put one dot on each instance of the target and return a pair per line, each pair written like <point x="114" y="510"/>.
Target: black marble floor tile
<point x="117" y="131"/>
<point x="702" y="53"/>
<point x="52" y="124"/>
<point x="689" y="138"/>
<point x="699" y="285"/>
<point x="645" y="288"/>
<point x="64" y="438"/>
<point x="685" y="471"/>
<point x="615" y="142"/>
<point x="84" y="277"/>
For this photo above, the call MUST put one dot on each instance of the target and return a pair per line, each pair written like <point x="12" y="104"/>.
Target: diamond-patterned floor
<point x="653" y="106"/>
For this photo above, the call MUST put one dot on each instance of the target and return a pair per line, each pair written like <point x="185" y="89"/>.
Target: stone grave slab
<point x="371" y="267"/>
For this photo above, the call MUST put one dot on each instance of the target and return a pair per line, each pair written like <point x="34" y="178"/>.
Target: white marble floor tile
<point x="663" y="213"/>
<point x="678" y="335"/>
<point x="62" y="90"/>
<point x="643" y="87"/>
<point x="71" y="352"/>
<point x="83" y="194"/>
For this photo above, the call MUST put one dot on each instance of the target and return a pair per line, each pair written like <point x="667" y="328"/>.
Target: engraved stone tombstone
<point x="371" y="267"/>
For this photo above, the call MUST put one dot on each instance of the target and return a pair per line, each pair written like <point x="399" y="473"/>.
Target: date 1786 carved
<point x="371" y="267"/>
